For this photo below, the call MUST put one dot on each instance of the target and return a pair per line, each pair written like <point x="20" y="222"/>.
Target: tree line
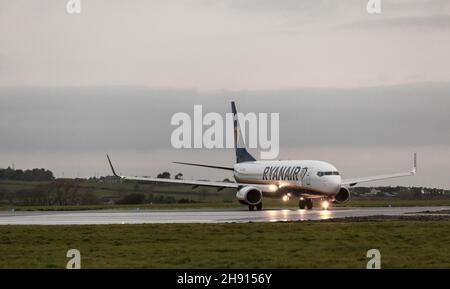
<point x="58" y="193"/>
<point x="26" y="175"/>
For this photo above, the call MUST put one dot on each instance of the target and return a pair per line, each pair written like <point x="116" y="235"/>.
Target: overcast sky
<point x="361" y="91"/>
<point x="224" y="44"/>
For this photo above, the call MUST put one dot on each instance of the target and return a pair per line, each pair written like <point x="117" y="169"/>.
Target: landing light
<point x="282" y="185"/>
<point x="285" y="198"/>
<point x="273" y="188"/>
<point x="325" y="205"/>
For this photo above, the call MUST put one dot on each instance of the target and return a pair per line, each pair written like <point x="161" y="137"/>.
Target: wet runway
<point x="196" y="216"/>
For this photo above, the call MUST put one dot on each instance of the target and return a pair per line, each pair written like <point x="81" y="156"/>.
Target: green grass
<point x="207" y="205"/>
<point x="343" y="244"/>
<point x="14" y="186"/>
<point x="114" y="191"/>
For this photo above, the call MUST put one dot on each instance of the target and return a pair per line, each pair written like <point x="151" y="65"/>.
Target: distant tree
<point x="27" y="175"/>
<point x="161" y="199"/>
<point x="133" y="198"/>
<point x="164" y="175"/>
<point x="89" y="198"/>
<point x="186" y="201"/>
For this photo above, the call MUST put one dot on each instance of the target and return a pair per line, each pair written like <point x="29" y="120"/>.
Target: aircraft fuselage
<point x="315" y="176"/>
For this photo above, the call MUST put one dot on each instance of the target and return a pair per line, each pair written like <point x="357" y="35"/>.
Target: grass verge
<point x="404" y="243"/>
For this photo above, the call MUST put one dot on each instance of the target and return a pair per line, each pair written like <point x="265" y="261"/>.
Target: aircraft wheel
<point x="309" y="204"/>
<point x="259" y="206"/>
<point x="302" y="204"/>
<point x="251" y="207"/>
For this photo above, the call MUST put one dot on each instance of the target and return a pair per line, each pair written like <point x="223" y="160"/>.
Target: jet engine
<point x="342" y="196"/>
<point x="249" y="196"/>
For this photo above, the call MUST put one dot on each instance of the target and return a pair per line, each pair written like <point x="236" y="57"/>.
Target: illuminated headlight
<point x="285" y="198"/>
<point x="325" y="205"/>
<point x="273" y="188"/>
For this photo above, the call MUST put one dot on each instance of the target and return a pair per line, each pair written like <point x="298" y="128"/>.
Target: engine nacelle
<point x="249" y="196"/>
<point x="342" y="196"/>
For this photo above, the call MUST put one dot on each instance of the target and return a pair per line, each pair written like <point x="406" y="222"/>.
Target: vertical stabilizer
<point x="242" y="155"/>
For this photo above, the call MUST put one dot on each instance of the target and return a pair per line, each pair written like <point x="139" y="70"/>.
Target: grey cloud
<point x="77" y="111"/>
<point x="137" y="118"/>
<point x="422" y="6"/>
<point x="363" y="131"/>
<point x="432" y="21"/>
<point x="283" y="6"/>
<point x="215" y="44"/>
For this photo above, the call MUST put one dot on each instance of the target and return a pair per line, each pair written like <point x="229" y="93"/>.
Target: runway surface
<point x="196" y="216"/>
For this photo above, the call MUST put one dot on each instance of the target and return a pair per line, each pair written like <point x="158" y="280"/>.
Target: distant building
<point x="109" y="180"/>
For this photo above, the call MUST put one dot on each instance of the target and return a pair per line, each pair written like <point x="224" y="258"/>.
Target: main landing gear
<point x="308" y="203"/>
<point x="258" y="207"/>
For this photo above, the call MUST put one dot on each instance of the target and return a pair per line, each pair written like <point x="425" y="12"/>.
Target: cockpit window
<point x="330" y="173"/>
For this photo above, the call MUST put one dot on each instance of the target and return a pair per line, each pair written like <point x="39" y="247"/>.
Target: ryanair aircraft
<point x="256" y="180"/>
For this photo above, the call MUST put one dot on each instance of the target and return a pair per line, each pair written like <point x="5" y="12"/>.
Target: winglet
<point x="414" y="170"/>
<point x="112" y="168"/>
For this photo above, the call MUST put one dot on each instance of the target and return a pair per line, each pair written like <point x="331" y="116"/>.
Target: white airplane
<point x="255" y="180"/>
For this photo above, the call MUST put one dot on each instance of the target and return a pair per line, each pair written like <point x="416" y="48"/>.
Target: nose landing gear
<point x="308" y="203"/>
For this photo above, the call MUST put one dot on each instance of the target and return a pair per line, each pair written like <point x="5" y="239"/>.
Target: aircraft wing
<point x="205" y="166"/>
<point x="182" y="182"/>
<point x="354" y="181"/>
<point x="192" y="182"/>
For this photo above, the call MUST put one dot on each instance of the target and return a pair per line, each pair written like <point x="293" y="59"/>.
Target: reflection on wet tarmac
<point x="198" y="216"/>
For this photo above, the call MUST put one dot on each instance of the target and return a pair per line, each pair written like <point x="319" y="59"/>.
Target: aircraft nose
<point x="335" y="184"/>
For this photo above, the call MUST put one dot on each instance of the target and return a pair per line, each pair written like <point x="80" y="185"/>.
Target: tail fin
<point x="242" y="154"/>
